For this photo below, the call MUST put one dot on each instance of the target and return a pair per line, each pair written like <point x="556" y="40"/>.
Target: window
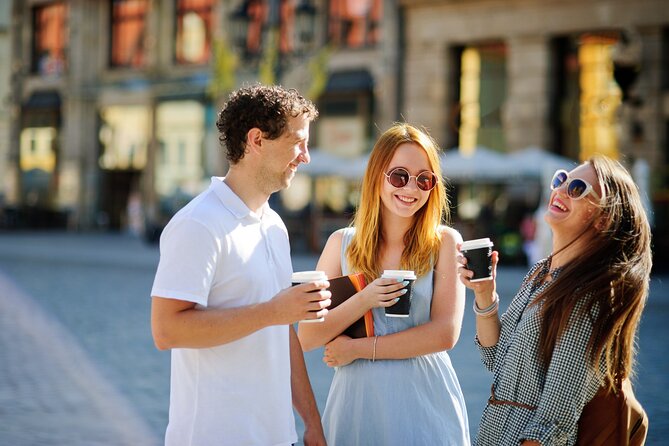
<point x="38" y="165"/>
<point x="180" y="130"/>
<point x="482" y="87"/>
<point x="124" y="135"/>
<point x="193" y="31"/>
<point x="586" y="96"/>
<point x="37" y="149"/>
<point x="128" y="30"/>
<point x="263" y="13"/>
<point x="354" y="23"/>
<point x="49" y="39"/>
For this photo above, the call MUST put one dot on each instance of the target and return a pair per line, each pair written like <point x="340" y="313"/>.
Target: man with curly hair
<point x="221" y="298"/>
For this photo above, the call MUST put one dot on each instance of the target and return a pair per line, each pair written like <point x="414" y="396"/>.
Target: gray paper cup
<point x="301" y="277"/>
<point x="479" y="258"/>
<point x="403" y="307"/>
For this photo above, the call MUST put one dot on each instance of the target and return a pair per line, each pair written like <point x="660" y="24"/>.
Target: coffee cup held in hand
<point x="479" y="258"/>
<point x="403" y="305"/>
<point x="301" y="277"/>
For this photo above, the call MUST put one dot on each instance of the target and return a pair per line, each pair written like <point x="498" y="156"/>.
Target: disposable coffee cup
<point x="479" y="258"/>
<point x="301" y="277"/>
<point x="403" y="306"/>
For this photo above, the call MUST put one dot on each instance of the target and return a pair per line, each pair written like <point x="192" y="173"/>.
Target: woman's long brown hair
<point x="423" y="239"/>
<point x="612" y="273"/>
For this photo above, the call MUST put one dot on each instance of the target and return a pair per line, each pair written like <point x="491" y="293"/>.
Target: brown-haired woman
<point x="571" y="327"/>
<point x="397" y="388"/>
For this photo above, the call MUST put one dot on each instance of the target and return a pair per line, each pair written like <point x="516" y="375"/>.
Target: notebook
<point x="342" y="288"/>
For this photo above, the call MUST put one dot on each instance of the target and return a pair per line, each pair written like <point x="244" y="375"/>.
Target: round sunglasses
<point x="400" y="177"/>
<point x="576" y="187"/>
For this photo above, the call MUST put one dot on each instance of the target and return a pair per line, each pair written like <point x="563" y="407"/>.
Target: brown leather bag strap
<point x="495" y="402"/>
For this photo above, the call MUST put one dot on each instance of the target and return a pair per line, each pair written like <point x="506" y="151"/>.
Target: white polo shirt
<point x="217" y="253"/>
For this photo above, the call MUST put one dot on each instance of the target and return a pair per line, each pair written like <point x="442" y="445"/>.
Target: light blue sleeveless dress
<point x="403" y="402"/>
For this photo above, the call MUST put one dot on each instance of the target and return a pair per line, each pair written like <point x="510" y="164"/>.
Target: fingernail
<point x="400" y="280"/>
<point x="397" y="299"/>
<point x="405" y="283"/>
<point x="404" y="291"/>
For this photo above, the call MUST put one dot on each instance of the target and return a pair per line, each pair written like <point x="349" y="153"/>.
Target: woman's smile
<point x="405" y="200"/>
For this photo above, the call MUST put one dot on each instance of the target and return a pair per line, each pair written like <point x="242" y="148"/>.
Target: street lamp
<point x="254" y="19"/>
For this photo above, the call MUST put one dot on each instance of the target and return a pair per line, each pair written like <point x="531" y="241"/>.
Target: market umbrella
<point x="483" y="165"/>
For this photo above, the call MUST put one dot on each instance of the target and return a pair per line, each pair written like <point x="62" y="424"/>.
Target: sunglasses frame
<point x="393" y="170"/>
<point x="568" y="181"/>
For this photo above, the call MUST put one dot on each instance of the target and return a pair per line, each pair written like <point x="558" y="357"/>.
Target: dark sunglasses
<point x="400" y="177"/>
<point x="576" y="187"/>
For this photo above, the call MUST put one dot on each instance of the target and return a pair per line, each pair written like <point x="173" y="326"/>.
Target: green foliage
<point x="270" y="59"/>
<point x="224" y="67"/>
<point x="318" y="68"/>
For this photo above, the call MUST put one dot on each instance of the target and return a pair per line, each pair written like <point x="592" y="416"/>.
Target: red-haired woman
<point x="398" y="387"/>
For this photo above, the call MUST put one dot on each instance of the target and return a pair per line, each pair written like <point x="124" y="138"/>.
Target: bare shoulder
<point x="335" y="239"/>
<point x="450" y="237"/>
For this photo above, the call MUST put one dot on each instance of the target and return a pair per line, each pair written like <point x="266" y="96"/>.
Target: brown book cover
<point x="342" y="288"/>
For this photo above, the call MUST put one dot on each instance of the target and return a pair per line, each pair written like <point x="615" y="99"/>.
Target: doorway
<point x="115" y="192"/>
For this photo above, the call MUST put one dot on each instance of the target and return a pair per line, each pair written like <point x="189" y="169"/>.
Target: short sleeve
<point x="188" y="257"/>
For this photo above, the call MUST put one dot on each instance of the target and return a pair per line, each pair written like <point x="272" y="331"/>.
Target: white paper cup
<point x="479" y="258"/>
<point x="403" y="307"/>
<point x="300" y="277"/>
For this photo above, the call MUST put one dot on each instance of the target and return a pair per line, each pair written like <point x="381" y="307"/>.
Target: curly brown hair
<point x="267" y="108"/>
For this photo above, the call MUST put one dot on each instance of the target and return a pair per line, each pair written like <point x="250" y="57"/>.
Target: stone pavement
<point x="78" y="365"/>
<point x="50" y="390"/>
<point x="55" y="387"/>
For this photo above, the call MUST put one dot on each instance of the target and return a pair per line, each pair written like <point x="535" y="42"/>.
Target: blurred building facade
<point x="573" y="77"/>
<point x="5" y="103"/>
<point x="108" y="110"/>
<point x="114" y="102"/>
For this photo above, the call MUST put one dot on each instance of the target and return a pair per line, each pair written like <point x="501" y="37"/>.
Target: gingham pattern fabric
<point x="558" y="392"/>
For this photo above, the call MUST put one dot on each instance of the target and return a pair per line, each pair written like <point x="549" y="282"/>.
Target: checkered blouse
<point x="547" y="402"/>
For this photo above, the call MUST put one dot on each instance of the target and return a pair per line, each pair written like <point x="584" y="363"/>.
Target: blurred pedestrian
<point x="398" y="387"/>
<point x="222" y="299"/>
<point x="571" y="328"/>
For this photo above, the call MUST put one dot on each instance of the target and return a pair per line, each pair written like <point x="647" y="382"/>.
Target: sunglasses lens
<point x="558" y="179"/>
<point x="576" y="188"/>
<point x="426" y="181"/>
<point x="398" y="178"/>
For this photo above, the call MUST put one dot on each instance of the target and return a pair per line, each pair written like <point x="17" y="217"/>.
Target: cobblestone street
<point x="78" y="365"/>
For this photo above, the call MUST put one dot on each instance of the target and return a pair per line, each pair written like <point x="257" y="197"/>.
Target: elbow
<point x="447" y="343"/>
<point x="161" y="344"/>
<point x="161" y="338"/>
<point x="306" y="342"/>
<point x="307" y="347"/>
<point x="448" y="339"/>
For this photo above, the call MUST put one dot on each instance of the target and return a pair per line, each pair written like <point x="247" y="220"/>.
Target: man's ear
<point x="254" y="140"/>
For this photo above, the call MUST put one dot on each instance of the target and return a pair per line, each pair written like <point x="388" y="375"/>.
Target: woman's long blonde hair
<point x="423" y="239"/>
<point x="613" y="273"/>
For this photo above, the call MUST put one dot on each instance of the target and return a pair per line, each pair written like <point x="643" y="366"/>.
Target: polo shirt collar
<point x="232" y="202"/>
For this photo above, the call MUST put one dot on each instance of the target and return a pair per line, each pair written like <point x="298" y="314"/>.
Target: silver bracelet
<point x="490" y="310"/>
<point x="376" y="338"/>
